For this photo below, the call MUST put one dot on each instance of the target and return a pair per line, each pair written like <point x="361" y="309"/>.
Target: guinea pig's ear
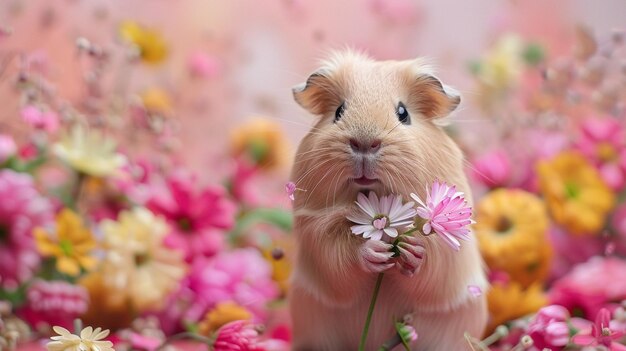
<point x="319" y="94"/>
<point x="431" y="97"/>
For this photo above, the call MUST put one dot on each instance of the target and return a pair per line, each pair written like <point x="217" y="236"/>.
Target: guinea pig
<point x="377" y="128"/>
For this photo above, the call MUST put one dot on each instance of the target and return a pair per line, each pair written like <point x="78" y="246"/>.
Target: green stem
<point x="366" y="328"/>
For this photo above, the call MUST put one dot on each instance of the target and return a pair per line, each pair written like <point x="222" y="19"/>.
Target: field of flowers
<point x="128" y="206"/>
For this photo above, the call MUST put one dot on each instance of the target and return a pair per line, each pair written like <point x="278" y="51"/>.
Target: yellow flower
<point x="89" y="340"/>
<point x="108" y="310"/>
<point x="577" y="197"/>
<point x="72" y="245"/>
<point x="511" y="228"/>
<point x="222" y="313"/>
<point x="262" y="141"/>
<point x="151" y="45"/>
<point x="509" y="301"/>
<point x="137" y="264"/>
<point x="281" y="266"/>
<point x="89" y="152"/>
<point x="503" y="64"/>
<point x="157" y="101"/>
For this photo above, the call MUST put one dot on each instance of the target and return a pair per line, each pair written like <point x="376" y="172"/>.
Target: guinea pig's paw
<point x="412" y="254"/>
<point x="375" y="256"/>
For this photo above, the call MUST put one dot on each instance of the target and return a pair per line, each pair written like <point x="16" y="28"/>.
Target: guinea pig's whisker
<point x="317" y="184"/>
<point x="311" y="170"/>
<point x="336" y="184"/>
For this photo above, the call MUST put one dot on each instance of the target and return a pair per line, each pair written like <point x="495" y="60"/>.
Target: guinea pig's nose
<point x="365" y="147"/>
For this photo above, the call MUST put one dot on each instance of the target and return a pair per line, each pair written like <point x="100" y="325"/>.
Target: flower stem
<point x="366" y="328"/>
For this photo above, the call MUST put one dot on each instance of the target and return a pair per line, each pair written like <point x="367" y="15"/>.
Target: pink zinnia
<point x="22" y="209"/>
<point x="591" y="286"/>
<point x="603" y="142"/>
<point x="242" y="276"/>
<point x="446" y="213"/>
<point x="54" y="303"/>
<point x="492" y="169"/>
<point x="198" y="218"/>
<point x="600" y="334"/>
<point x="237" y="336"/>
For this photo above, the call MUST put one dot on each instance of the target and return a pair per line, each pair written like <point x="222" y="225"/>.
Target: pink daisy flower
<point x="22" y="209"/>
<point x="381" y="216"/>
<point x="446" y="213"/>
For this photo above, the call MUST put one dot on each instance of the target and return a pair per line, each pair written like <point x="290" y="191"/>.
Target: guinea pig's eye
<point x="403" y="114"/>
<point x="340" y="110"/>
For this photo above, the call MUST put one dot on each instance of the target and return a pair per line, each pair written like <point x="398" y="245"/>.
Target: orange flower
<point x="150" y="43"/>
<point x="262" y="141"/>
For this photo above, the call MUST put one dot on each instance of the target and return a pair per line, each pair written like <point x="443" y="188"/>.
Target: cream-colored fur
<point x="330" y="290"/>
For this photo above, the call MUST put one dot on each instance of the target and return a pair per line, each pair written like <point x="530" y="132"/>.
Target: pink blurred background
<point x="263" y="48"/>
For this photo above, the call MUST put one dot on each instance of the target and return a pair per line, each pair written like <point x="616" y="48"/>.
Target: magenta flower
<point x="492" y="169"/>
<point x="242" y="276"/>
<point x="22" y="209"/>
<point x="237" y="336"/>
<point x="54" y="303"/>
<point x="591" y="286"/>
<point x="546" y="328"/>
<point x="381" y="216"/>
<point x="198" y="218"/>
<point x="7" y="147"/>
<point x="202" y="65"/>
<point x="603" y="142"/>
<point x="446" y="213"/>
<point x="600" y="334"/>
<point x="40" y="119"/>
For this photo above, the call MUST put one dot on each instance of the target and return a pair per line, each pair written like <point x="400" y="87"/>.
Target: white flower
<point x="89" y="152"/>
<point x="89" y="340"/>
<point x="384" y="216"/>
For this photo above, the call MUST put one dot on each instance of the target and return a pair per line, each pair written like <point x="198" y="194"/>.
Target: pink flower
<point x="241" y="185"/>
<point x="290" y="189"/>
<point x="202" y="65"/>
<point x="22" y="209"/>
<point x="237" y="336"/>
<point x="492" y="169"/>
<point x="7" y="147"/>
<point x="591" y="286"/>
<point x="571" y="250"/>
<point x="384" y="216"/>
<point x="600" y="334"/>
<point x="40" y="119"/>
<point x="54" y="303"/>
<point x="198" y="218"/>
<point x="618" y="220"/>
<point x="474" y="290"/>
<point x="546" y="328"/>
<point x="446" y="212"/>
<point x="603" y="142"/>
<point x="241" y="275"/>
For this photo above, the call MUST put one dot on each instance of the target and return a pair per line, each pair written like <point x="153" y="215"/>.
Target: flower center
<point x="572" y="190"/>
<point x="606" y="152"/>
<point x="380" y="222"/>
<point x="258" y="149"/>
<point x="504" y="225"/>
<point x="184" y="224"/>
<point x="66" y="247"/>
<point x="141" y="259"/>
<point x="4" y="232"/>
<point x="606" y="331"/>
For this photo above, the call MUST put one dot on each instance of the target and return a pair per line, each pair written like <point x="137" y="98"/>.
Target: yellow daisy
<point x="577" y="197"/>
<point x="511" y="227"/>
<point x="137" y="263"/>
<point x="262" y="141"/>
<point x="72" y="244"/>
<point x="151" y="45"/>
